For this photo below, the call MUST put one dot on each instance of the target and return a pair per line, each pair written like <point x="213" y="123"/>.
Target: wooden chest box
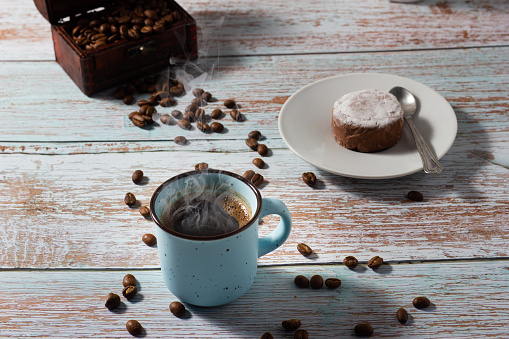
<point x="101" y="44"/>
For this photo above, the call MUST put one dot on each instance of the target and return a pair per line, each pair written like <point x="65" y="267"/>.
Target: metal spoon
<point x="409" y="105"/>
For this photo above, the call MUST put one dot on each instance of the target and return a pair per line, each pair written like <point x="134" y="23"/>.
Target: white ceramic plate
<point x="305" y="125"/>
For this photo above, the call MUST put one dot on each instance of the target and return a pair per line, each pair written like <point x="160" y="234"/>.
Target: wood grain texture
<point x="475" y="82"/>
<point x="68" y="210"/>
<point x="234" y="27"/>
<point x="469" y="299"/>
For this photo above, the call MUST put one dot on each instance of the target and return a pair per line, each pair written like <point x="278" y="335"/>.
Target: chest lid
<point x="55" y="11"/>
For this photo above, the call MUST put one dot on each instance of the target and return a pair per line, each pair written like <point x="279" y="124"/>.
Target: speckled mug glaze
<point x="215" y="270"/>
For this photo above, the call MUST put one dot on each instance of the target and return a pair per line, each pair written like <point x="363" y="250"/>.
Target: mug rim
<point x="211" y="237"/>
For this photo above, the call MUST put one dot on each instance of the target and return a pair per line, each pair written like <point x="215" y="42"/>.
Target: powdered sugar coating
<point x="367" y="108"/>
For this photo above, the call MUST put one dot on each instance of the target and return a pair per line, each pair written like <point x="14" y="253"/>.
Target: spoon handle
<point x="429" y="160"/>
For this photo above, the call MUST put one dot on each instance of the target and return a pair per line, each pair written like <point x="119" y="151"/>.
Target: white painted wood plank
<point x="68" y="210"/>
<point x="234" y="27"/>
<point x="469" y="300"/>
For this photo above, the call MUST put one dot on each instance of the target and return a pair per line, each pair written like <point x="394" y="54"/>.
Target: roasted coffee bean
<point x="177" y="90"/>
<point x="138" y="21"/>
<point x="144" y="108"/>
<point x="184" y="124"/>
<point x="167" y="120"/>
<point x="145" y="211"/>
<point x="258" y="162"/>
<point x="375" y="262"/>
<point x="301" y="334"/>
<point x="350" y="262"/>
<point x="137" y="176"/>
<point x="112" y="302"/>
<point x="123" y="30"/>
<point x="129" y="280"/>
<point x="128" y="99"/>
<point x="149" y="239"/>
<point x="207" y="96"/>
<point x="167" y="102"/>
<point x="130" y="199"/>
<point x="197" y="92"/>
<point x="230" y="103"/>
<point x="304" y="249"/>
<point x="150" y="14"/>
<point x="236" y="115"/>
<point x="191" y="108"/>
<point x="148" y="22"/>
<point x="189" y="116"/>
<point x="316" y="282"/>
<point x="113" y="38"/>
<point x="332" y="282"/>
<point x="76" y="30"/>
<point x="142" y="103"/>
<point x="150" y="111"/>
<point x="415" y="196"/>
<point x="421" y="302"/>
<point x="180" y="140"/>
<point x="363" y="330"/>
<point x="402" y="315"/>
<point x="262" y="150"/>
<point x="252" y="143"/>
<point x="216" y="127"/>
<point x="255" y="135"/>
<point x="160" y="95"/>
<point x="94" y="23"/>
<point x="203" y="126"/>
<point x="158" y="28"/>
<point x="199" y="115"/>
<point x="133" y="114"/>
<point x="133" y="34"/>
<point x="216" y="114"/>
<point x="309" y="178"/>
<point x="148" y="119"/>
<point x="199" y="102"/>
<point x="267" y="335"/>
<point x="177" y="308"/>
<point x="301" y="281"/>
<point x="176" y="114"/>
<point x="201" y="166"/>
<point x="138" y="120"/>
<point x="129" y="292"/>
<point x="249" y="174"/>
<point x="257" y="179"/>
<point x="147" y="30"/>
<point x="120" y="93"/>
<point x="153" y="101"/>
<point x="134" y="327"/>
<point x="291" y="324"/>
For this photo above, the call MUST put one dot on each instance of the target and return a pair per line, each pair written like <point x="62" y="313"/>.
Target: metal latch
<point x="144" y="49"/>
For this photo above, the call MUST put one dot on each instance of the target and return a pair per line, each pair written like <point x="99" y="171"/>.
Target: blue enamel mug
<point x="216" y="269"/>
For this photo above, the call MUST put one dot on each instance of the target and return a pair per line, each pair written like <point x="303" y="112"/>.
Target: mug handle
<point x="277" y="237"/>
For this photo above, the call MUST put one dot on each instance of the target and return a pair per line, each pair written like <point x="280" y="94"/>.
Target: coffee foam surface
<point x="367" y="108"/>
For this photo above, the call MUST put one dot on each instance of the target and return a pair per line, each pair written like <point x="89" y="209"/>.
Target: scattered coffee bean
<point x="177" y="308"/>
<point x="149" y="239"/>
<point x="230" y="103"/>
<point x="421" y="302"/>
<point x="167" y="119"/>
<point x="249" y="174"/>
<point x="120" y="93"/>
<point x="309" y="178"/>
<point x="301" y="281"/>
<point x="137" y="176"/>
<point x="363" y="330"/>
<point x="160" y="95"/>
<point x="180" y="140"/>
<point x="177" y="91"/>
<point x="130" y="199"/>
<point x="133" y="114"/>
<point x="138" y="120"/>
<point x="415" y="196"/>
<point x="304" y="249"/>
<point x="144" y="108"/>
<point x="142" y="102"/>
<point x="257" y="179"/>
<point x="267" y="335"/>
<point x="148" y="119"/>
<point x="150" y="111"/>
<point x="216" y="114"/>
<point x="217" y="127"/>
<point x="167" y="102"/>
<point x="129" y="291"/>
<point x="199" y="115"/>
<point x="203" y="126"/>
<point x="189" y="116"/>
<point x="201" y="166"/>
<point x="301" y="334"/>
<point x="402" y="315"/>
<point x="129" y="280"/>
<point x="375" y="262"/>
<point x="197" y="92"/>
<point x="291" y="324"/>
<point x="199" y="102"/>
<point x="134" y="327"/>
<point x="145" y="211"/>
<point x="236" y="115"/>
<point x="128" y="99"/>
<point x="255" y="135"/>
<point x="176" y="114"/>
<point x="350" y="262"/>
<point x="207" y="96"/>
<point x="112" y="302"/>
<point x="184" y="124"/>
<point x="258" y="162"/>
<point x="153" y="101"/>
<point x="332" y="282"/>
<point x="316" y="282"/>
<point x="252" y="143"/>
<point x="191" y="108"/>
<point x="262" y="149"/>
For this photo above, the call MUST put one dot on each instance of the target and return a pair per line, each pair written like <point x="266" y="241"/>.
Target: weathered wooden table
<point x="67" y="238"/>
